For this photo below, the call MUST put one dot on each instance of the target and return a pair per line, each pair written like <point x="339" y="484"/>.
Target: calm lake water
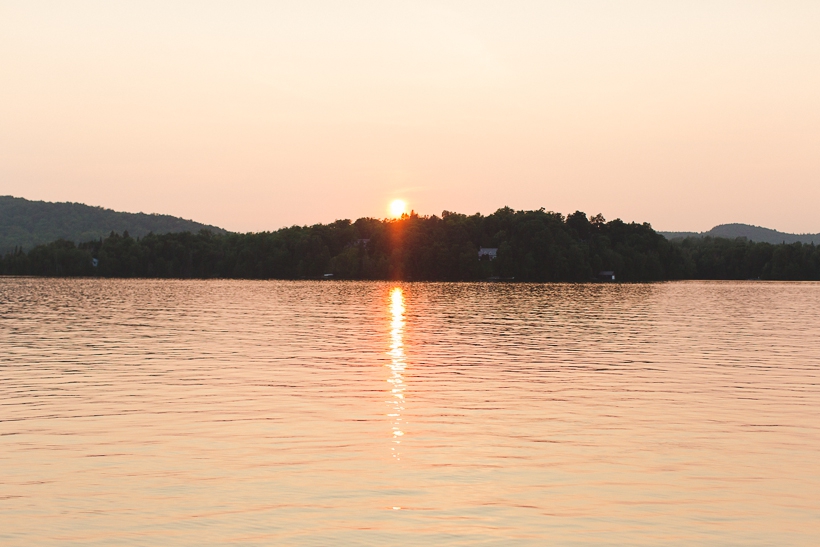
<point x="333" y="413"/>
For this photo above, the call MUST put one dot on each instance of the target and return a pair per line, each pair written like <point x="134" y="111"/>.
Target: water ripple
<point x="138" y="412"/>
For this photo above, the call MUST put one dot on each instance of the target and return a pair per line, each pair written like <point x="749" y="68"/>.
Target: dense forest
<point x="26" y="223"/>
<point x="531" y="246"/>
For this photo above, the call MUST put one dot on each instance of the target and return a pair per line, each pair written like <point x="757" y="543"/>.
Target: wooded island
<point x="537" y="246"/>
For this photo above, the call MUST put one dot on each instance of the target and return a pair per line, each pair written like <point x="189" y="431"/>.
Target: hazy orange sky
<point x="256" y="115"/>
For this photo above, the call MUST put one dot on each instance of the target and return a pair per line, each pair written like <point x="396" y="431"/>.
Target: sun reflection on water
<point x="397" y="365"/>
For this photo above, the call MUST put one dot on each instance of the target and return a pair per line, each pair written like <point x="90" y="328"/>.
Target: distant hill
<point x="26" y="223"/>
<point x="752" y="233"/>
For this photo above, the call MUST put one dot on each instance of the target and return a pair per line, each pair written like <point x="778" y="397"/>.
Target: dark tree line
<point x="719" y="258"/>
<point x="532" y="246"/>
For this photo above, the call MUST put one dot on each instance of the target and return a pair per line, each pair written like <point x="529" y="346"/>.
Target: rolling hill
<point x="752" y="233"/>
<point x="25" y="223"/>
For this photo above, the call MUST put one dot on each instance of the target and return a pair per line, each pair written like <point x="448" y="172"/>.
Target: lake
<point x="151" y="412"/>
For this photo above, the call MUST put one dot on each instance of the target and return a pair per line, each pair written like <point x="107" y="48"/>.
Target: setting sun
<point x="398" y="207"/>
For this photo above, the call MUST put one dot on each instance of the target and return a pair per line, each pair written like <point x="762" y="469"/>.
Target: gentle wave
<point x="136" y="412"/>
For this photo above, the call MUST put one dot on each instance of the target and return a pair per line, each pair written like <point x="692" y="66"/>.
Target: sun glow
<point x="398" y="207"/>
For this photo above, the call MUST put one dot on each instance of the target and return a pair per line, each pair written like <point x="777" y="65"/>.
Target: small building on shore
<point x="606" y="276"/>
<point x="489" y="252"/>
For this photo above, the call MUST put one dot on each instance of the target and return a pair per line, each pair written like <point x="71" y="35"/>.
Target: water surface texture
<point x="332" y="413"/>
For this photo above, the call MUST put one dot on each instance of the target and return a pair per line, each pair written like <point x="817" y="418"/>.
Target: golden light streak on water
<point x="397" y="365"/>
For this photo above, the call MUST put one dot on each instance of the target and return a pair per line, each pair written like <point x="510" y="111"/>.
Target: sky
<point x="257" y="115"/>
